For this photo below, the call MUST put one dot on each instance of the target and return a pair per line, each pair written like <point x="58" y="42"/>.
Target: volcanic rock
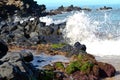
<point x="3" y="48"/>
<point x="16" y="66"/>
<point x="106" y="70"/>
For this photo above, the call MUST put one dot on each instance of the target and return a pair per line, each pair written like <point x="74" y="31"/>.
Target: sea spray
<point x="99" y="36"/>
<point x="79" y="28"/>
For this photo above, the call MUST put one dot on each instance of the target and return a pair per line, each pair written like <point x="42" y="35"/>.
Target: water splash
<point x="79" y="28"/>
<point x="98" y="36"/>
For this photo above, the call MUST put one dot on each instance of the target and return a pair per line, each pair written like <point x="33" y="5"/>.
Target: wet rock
<point x="27" y="56"/>
<point x="85" y="67"/>
<point x="106" y="70"/>
<point x="79" y="46"/>
<point x="3" y="48"/>
<point x="83" y="47"/>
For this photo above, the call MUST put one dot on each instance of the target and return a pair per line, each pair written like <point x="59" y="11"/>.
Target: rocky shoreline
<point x="29" y="33"/>
<point x="81" y="66"/>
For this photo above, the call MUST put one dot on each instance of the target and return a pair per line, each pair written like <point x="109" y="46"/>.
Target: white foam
<point x="81" y="28"/>
<point x="46" y="19"/>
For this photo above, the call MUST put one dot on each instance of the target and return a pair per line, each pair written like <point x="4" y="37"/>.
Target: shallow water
<point x="43" y="59"/>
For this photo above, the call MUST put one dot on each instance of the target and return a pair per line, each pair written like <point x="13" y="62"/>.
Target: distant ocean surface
<point x="98" y="30"/>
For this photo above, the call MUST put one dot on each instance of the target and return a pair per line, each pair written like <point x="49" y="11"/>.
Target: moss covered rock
<point x="48" y="75"/>
<point x="59" y="45"/>
<point x="59" y="66"/>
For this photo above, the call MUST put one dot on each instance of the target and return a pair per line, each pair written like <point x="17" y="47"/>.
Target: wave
<point x="48" y="20"/>
<point x="100" y="37"/>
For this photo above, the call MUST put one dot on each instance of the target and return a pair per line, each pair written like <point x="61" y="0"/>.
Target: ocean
<point x="98" y="30"/>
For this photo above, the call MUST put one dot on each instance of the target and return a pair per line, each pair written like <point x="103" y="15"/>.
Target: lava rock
<point x="3" y="48"/>
<point x="79" y="46"/>
<point x="26" y="56"/>
<point x="106" y="70"/>
<point x="16" y="66"/>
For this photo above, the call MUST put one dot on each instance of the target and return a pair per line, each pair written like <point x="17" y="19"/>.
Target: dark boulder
<point x="83" y="47"/>
<point x="3" y="48"/>
<point x="27" y="56"/>
<point x="79" y="46"/>
<point x="16" y="66"/>
<point x="106" y="70"/>
<point x="23" y="8"/>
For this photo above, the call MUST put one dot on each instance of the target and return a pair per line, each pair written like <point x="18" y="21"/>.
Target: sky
<point x="57" y="3"/>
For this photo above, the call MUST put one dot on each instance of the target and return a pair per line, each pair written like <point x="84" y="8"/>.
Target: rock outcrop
<point x="21" y="7"/>
<point x="61" y="9"/>
<point x="105" y="8"/>
<point x="17" y="66"/>
<point x="81" y="66"/>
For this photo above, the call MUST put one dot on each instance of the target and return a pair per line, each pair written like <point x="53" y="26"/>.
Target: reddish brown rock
<point x="96" y="70"/>
<point x="106" y="70"/>
<point x="81" y="76"/>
